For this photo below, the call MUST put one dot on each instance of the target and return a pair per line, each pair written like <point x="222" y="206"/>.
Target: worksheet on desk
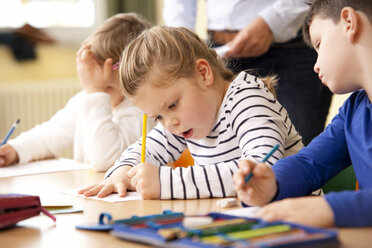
<point x="243" y="212"/>
<point x="42" y="166"/>
<point x="131" y="196"/>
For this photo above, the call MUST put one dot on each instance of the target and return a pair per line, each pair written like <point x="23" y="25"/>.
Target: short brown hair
<point x="163" y="54"/>
<point x="332" y="9"/>
<point x="110" y="39"/>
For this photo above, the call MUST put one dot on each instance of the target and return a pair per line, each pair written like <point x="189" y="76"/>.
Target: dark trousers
<point x="299" y="89"/>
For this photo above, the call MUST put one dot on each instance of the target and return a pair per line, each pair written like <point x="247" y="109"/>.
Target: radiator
<point x="33" y="103"/>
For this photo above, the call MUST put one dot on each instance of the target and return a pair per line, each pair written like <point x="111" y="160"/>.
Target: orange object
<point x="184" y="160"/>
<point x="357" y="185"/>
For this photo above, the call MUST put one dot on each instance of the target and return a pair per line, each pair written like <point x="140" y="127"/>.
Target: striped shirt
<point x="249" y="123"/>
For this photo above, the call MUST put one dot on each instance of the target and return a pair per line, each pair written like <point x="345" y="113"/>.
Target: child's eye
<point x="173" y="105"/>
<point x="158" y="118"/>
<point x="317" y="44"/>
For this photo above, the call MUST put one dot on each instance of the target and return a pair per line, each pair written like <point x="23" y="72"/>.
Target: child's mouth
<point x="187" y="134"/>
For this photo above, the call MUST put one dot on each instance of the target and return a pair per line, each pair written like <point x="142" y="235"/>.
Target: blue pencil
<point x="10" y="132"/>
<point x="249" y="176"/>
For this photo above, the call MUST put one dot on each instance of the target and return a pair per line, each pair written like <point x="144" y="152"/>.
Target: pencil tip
<point x="18" y="120"/>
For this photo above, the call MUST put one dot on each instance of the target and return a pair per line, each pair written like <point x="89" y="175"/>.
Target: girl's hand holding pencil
<point x="8" y="154"/>
<point x="145" y="178"/>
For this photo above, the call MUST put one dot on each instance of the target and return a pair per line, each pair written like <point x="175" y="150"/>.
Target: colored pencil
<point x="10" y="132"/>
<point x="249" y="176"/>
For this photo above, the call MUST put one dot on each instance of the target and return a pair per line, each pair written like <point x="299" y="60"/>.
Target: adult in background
<point x="264" y="35"/>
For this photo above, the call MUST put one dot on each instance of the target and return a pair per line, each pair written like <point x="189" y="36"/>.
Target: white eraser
<point x="225" y="203"/>
<point x="194" y="221"/>
<point x="222" y="50"/>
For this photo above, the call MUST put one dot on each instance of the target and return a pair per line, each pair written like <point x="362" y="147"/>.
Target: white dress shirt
<point x="284" y="17"/>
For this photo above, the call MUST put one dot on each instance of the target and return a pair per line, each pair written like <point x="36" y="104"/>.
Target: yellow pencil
<point x="144" y="128"/>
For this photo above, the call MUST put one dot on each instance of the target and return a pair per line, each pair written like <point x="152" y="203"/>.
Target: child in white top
<point x="175" y="78"/>
<point x="99" y="121"/>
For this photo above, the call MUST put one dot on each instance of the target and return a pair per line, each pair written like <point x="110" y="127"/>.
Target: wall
<point x="201" y="18"/>
<point x="53" y="62"/>
<point x="34" y="90"/>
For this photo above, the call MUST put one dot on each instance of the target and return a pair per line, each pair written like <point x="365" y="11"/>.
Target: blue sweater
<point x="347" y="140"/>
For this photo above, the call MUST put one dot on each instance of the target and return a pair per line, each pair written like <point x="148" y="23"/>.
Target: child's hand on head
<point x="312" y="211"/>
<point x="260" y="189"/>
<point x="93" y="77"/>
<point x="145" y="178"/>
<point x="117" y="182"/>
<point x="8" y="155"/>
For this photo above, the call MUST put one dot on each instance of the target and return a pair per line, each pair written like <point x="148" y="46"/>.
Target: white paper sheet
<point x="243" y="212"/>
<point x="42" y="166"/>
<point x="131" y="196"/>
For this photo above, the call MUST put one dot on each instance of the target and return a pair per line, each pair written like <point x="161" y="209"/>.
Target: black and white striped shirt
<point x="249" y="123"/>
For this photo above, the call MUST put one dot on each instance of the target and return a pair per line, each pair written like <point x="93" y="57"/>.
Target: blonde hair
<point x="110" y="39"/>
<point x="163" y="54"/>
<point x="271" y="81"/>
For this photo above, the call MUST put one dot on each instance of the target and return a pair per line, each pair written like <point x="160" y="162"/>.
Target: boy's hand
<point x="117" y="182"/>
<point x="93" y="77"/>
<point x="145" y="178"/>
<point x="312" y="211"/>
<point x="260" y="189"/>
<point x="8" y="155"/>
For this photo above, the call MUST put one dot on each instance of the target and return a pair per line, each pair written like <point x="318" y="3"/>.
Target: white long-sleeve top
<point x="284" y="17"/>
<point x="98" y="133"/>
<point x="249" y="124"/>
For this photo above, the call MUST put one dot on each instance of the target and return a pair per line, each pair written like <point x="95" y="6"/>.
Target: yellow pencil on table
<point x="144" y="132"/>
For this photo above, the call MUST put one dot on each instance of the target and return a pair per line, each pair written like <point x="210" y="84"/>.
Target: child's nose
<point x="172" y="122"/>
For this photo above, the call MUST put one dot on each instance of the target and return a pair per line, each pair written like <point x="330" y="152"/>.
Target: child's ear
<point x="351" y="22"/>
<point x="204" y="70"/>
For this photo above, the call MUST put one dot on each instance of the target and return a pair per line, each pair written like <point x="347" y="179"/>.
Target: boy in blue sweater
<point x="341" y="33"/>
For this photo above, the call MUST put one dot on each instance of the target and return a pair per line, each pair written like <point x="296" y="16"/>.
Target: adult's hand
<point x="252" y="41"/>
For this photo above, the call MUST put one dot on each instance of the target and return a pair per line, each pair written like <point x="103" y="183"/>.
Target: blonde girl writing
<point x="175" y="78"/>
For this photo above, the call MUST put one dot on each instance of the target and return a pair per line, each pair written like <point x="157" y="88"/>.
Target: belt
<point x="222" y="37"/>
